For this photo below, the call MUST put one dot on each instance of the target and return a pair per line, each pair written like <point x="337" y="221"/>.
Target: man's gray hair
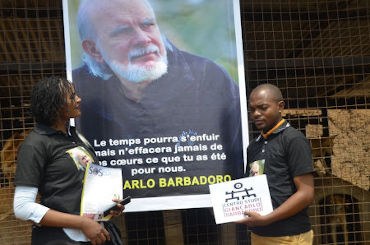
<point x="87" y="31"/>
<point x="86" y="8"/>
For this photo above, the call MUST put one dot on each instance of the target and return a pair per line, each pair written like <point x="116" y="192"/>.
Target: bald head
<point x="271" y="91"/>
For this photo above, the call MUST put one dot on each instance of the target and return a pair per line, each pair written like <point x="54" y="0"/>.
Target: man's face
<point x="265" y="111"/>
<point x="84" y="159"/>
<point x="129" y="39"/>
<point x="255" y="170"/>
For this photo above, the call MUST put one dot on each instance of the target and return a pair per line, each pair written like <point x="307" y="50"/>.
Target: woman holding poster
<point x="48" y="164"/>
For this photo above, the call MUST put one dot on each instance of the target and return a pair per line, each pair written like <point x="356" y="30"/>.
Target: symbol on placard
<point x="95" y="171"/>
<point x="239" y="192"/>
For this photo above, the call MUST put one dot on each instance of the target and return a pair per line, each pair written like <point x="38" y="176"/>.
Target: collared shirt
<point x="47" y="160"/>
<point x="283" y="155"/>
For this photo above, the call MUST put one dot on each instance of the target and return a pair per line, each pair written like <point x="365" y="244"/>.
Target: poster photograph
<point x="163" y="94"/>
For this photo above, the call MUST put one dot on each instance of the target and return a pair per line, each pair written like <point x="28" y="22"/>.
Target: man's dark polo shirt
<point x="287" y="154"/>
<point x="44" y="163"/>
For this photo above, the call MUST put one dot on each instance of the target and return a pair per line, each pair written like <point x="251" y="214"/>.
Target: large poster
<point x="163" y="94"/>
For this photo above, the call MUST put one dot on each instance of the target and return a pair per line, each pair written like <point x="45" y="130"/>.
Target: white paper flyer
<point x="231" y="199"/>
<point x="101" y="185"/>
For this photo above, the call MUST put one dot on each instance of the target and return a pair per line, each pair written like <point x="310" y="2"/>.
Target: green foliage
<point x="202" y="27"/>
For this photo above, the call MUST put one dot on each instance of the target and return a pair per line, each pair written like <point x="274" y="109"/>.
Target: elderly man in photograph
<point x="135" y="83"/>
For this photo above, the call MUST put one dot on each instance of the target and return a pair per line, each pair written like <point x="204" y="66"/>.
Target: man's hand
<point x="294" y="204"/>
<point x="254" y="219"/>
<point x="94" y="231"/>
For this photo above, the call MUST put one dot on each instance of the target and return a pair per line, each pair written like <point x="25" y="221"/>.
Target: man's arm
<point x="298" y="201"/>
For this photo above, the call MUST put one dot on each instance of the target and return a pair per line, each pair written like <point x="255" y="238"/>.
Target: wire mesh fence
<point x="317" y="52"/>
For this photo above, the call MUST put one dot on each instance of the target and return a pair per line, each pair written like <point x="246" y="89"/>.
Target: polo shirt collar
<point x="46" y="130"/>
<point x="279" y="129"/>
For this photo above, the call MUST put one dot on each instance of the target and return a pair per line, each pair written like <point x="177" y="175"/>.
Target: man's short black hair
<point x="48" y="99"/>
<point x="275" y="92"/>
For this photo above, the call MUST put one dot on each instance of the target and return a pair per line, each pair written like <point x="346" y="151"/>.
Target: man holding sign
<point x="284" y="154"/>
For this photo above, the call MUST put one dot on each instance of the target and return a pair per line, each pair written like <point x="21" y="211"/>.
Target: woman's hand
<point x="94" y="231"/>
<point x="120" y="207"/>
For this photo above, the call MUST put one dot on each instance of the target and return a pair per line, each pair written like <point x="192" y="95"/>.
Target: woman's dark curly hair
<point x="48" y="99"/>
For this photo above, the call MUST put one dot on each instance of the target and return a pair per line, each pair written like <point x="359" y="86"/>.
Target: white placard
<point x="101" y="185"/>
<point x="231" y="199"/>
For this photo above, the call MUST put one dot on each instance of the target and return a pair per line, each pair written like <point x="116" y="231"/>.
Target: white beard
<point x="139" y="73"/>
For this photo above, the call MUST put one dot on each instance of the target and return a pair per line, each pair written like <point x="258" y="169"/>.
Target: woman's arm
<point x="26" y="208"/>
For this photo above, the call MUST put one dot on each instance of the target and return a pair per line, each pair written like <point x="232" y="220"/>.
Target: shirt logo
<point x="81" y="157"/>
<point x="256" y="168"/>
